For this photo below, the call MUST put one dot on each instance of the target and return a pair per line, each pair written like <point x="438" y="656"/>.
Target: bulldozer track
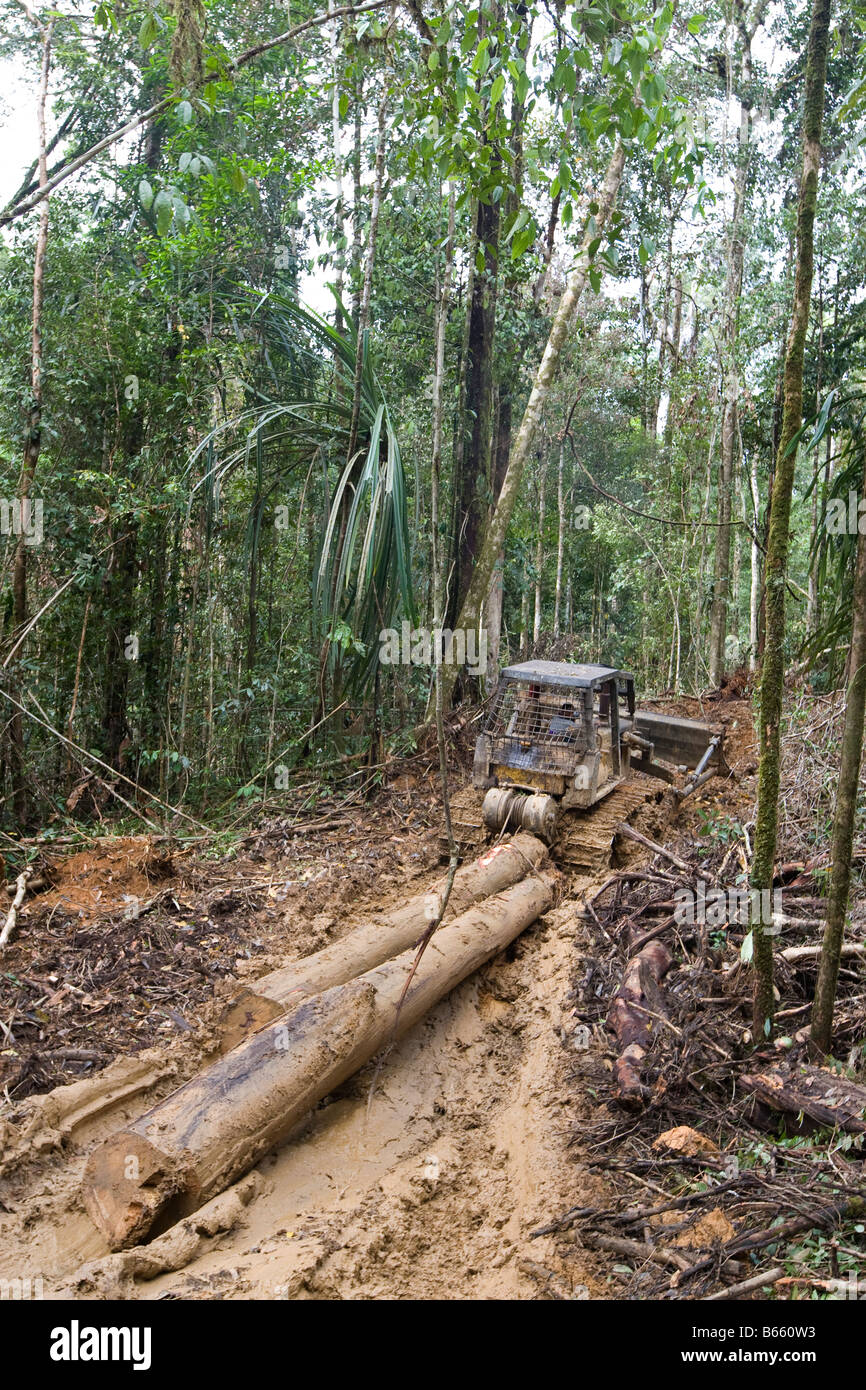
<point x="586" y="838"/>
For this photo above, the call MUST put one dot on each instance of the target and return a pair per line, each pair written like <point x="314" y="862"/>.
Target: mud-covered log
<point x="637" y="1011"/>
<point x="825" y="1096"/>
<point x="214" y="1129"/>
<point x="385" y="936"/>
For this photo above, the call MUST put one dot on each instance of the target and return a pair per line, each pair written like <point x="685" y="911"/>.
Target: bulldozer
<point x="565" y="753"/>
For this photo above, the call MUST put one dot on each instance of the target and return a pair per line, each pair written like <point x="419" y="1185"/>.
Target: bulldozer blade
<point x="681" y="742"/>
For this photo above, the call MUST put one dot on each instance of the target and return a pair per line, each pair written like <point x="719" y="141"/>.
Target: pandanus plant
<point x="363" y="575"/>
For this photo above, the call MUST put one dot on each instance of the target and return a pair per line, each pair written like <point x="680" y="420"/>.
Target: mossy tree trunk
<point x="845" y="812"/>
<point x="521" y="448"/>
<point x="776" y="566"/>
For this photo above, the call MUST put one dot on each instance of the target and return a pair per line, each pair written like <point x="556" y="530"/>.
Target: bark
<point x="521" y="448"/>
<point x="776" y="565"/>
<point x="733" y="293"/>
<point x="363" y="320"/>
<point x="475" y="469"/>
<point x="337" y="152"/>
<point x="634" y="1019"/>
<point x="385" y="937"/>
<point x="826" y="1097"/>
<point x="539" y="549"/>
<point x="845" y="814"/>
<point x="119" y="623"/>
<point x="755" y="562"/>
<point x="560" y="537"/>
<point x="443" y="300"/>
<point x="211" y="1131"/>
<point x="357" y="202"/>
<point x="33" y="436"/>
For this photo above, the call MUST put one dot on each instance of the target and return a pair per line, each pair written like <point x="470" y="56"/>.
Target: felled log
<point x="211" y="1131"/>
<point x="824" y="1096"/>
<point x="634" y="1019"/>
<point x="385" y="936"/>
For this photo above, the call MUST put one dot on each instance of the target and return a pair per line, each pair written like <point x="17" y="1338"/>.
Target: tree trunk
<point x="119" y="624"/>
<point x="33" y="437"/>
<point x="733" y="293"/>
<point x="198" y="1140"/>
<point x="561" y="328"/>
<point x="474" y="478"/>
<point x="443" y="299"/>
<point x="560" y="537"/>
<point x="337" y="151"/>
<point x="363" y="321"/>
<point x="773" y="665"/>
<point x="539" y="547"/>
<point x="844" y="817"/>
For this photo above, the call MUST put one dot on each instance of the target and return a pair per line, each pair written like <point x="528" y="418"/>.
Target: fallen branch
<point x="758" y="1281"/>
<point x="826" y="1097"/>
<point x="635" y="835"/>
<point x="21" y="883"/>
<point x="549" y="1281"/>
<point x="830" y="1215"/>
<point x="631" y="1021"/>
<point x="637" y="1250"/>
<point x="795" y="953"/>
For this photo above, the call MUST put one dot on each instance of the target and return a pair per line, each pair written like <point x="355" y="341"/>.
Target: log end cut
<point x="126" y="1183"/>
<point x="245" y="1014"/>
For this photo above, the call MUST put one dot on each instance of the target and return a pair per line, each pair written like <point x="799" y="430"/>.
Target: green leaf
<point x="522" y="241"/>
<point x="145" y="194"/>
<point x="148" y="31"/>
<point x="164" y="210"/>
<point x="696" y="23"/>
<point x="747" y="950"/>
<point x="184" y="112"/>
<point x="496" y="90"/>
<point x="184" y="162"/>
<point x="595" y="278"/>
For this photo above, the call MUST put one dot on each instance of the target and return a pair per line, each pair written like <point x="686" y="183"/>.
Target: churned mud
<point x="423" y="1176"/>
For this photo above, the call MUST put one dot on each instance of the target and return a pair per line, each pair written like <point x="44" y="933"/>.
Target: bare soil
<point x="488" y="1120"/>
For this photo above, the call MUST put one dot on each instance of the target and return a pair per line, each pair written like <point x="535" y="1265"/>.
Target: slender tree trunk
<point x="496" y="594"/>
<point x="560" y="537"/>
<point x="475" y="473"/>
<point x="845" y="814"/>
<point x="730" y="427"/>
<point x="773" y="665"/>
<point x="521" y="448"/>
<point x="755" y="556"/>
<point x="369" y="263"/>
<point x="357" y="202"/>
<point x="812" y="604"/>
<point x="443" y="299"/>
<point x="119" y="625"/>
<point x="33" y="437"/>
<point x="524" y="608"/>
<point x="337" y="151"/>
<point x="539" y="546"/>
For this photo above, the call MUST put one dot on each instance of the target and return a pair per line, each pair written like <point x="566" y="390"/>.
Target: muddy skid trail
<point x="428" y="1187"/>
<point x="424" y="1175"/>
